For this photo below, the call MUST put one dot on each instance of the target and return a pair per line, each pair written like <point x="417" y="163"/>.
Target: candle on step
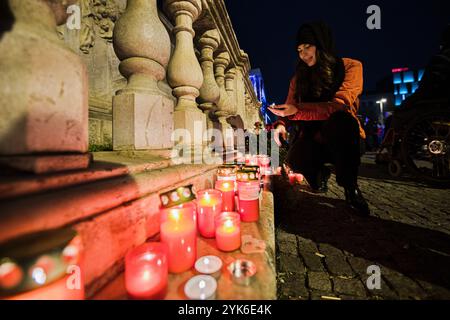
<point x="209" y="204"/>
<point x="248" y="193"/>
<point x="227" y="187"/>
<point x="210" y="265"/>
<point x="178" y="230"/>
<point x="146" y="271"/>
<point x="292" y="177"/>
<point x="228" y="231"/>
<point x="28" y="273"/>
<point x="201" y="287"/>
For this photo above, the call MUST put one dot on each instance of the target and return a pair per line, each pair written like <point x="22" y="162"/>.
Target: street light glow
<point x="381" y="102"/>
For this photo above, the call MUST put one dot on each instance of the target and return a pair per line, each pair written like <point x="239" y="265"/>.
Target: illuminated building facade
<point x="258" y="84"/>
<point x="405" y="82"/>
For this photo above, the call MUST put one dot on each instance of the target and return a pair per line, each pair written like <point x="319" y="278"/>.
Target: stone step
<point x="105" y="165"/>
<point x="111" y="215"/>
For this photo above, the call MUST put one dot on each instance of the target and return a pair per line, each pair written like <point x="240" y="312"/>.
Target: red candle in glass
<point x="228" y="231"/>
<point x="248" y="194"/>
<point x="147" y="271"/>
<point x="69" y="287"/>
<point x="292" y="177"/>
<point x="209" y="204"/>
<point x="263" y="163"/>
<point x="178" y="231"/>
<point x="227" y="187"/>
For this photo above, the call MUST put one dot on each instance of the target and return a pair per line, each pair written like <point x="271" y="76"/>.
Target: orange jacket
<point x="346" y="98"/>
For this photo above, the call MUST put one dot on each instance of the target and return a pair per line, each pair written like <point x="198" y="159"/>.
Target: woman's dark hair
<point x="315" y="83"/>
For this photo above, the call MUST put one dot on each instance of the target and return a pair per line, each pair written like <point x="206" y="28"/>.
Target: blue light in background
<point x="421" y="71"/>
<point x="408" y="77"/>
<point x="397" y="78"/>
<point x="403" y="89"/>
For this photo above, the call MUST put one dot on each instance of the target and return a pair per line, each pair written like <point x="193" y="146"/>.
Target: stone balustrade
<point x="43" y="93"/>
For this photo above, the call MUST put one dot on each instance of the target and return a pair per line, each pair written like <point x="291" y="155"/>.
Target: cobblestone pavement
<point x="324" y="249"/>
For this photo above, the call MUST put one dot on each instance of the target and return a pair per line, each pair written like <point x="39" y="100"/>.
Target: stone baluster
<point x="225" y="104"/>
<point x="43" y="92"/>
<point x="230" y="87"/>
<point x="210" y="91"/>
<point x="184" y="73"/>
<point x="142" y="113"/>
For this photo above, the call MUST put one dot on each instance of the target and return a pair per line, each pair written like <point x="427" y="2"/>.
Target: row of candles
<point x="214" y="214"/>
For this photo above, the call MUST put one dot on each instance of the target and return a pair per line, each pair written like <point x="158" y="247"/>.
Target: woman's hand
<point x="280" y="131"/>
<point x="283" y="110"/>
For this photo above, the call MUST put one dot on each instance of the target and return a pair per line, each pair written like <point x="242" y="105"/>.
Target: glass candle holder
<point x="248" y="194"/>
<point x="292" y="177"/>
<point x="29" y="272"/>
<point x="299" y="177"/>
<point x="178" y="230"/>
<point x="227" y="187"/>
<point x="228" y="231"/>
<point x="147" y="271"/>
<point x="209" y="204"/>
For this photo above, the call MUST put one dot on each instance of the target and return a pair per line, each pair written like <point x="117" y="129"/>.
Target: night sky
<point x="410" y="34"/>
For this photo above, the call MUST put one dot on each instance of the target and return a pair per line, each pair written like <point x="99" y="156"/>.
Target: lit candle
<point x="228" y="194"/>
<point x="248" y="158"/>
<point x="292" y="177"/>
<point x="209" y="205"/>
<point x="179" y="231"/>
<point x="56" y="274"/>
<point x="146" y="271"/>
<point x="228" y="231"/>
<point x="263" y="163"/>
<point x="210" y="265"/>
<point x="248" y="194"/>
<point x="201" y="287"/>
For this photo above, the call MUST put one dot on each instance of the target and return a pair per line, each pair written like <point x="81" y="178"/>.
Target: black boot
<point x="356" y="201"/>
<point x="324" y="176"/>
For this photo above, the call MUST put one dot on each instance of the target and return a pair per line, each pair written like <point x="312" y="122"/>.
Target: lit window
<point x="403" y="89"/>
<point x="408" y="77"/>
<point x="397" y="78"/>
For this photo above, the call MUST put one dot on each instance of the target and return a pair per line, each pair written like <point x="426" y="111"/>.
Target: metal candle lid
<point x="248" y="173"/>
<point x="227" y="170"/>
<point x="177" y="196"/>
<point x="242" y="271"/>
<point x="201" y="287"/>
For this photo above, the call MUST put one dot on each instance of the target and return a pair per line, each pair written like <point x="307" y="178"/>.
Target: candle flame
<point x="226" y="185"/>
<point x="175" y="215"/>
<point x="146" y="275"/>
<point x="228" y="224"/>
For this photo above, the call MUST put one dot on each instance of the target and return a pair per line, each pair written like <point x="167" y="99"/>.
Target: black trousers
<point x="316" y="143"/>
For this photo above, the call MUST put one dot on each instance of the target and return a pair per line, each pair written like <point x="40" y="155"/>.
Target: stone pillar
<point x="43" y="92"/>
<point x="210" y="91"/>
<point x="225" y="104"/>
<point x="142" y="113"/>
<point x="184" y="73"/>
<point x="231" y="89"/>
